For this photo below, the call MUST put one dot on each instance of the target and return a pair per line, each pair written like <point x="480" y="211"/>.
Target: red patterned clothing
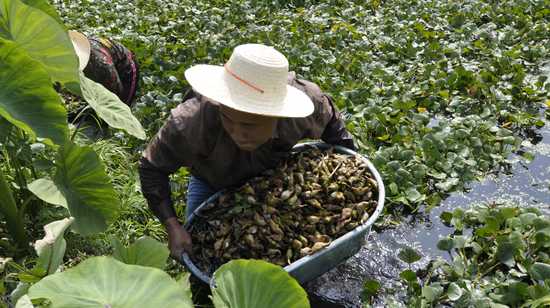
<point x="114" y="66"/>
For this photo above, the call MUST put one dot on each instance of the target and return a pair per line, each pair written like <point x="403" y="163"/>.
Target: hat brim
<point x="82" y="48"/>
<point x="210" y="81"/>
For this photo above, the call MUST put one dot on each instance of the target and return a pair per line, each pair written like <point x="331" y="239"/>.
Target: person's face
<point x="247" y="130"/>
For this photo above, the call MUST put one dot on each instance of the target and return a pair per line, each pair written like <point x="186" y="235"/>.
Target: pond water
<point x="526" y="184"/>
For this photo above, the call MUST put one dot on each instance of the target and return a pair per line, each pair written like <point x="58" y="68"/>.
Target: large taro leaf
<point x="90" y="196"/>
<point x="27" y="99"/>
<point x="48" y="192"/>
<point x="110" y="108"/>
<point x="42" y="37"/>
<point x="105" y="282"/>
<point x="51" y="248"/>
<point x="256" y="283"/>
<point x="146" y="251"/>
<point x="45" y="7"/>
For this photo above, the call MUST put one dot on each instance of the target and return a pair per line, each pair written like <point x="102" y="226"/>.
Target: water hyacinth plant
<point x="437" y="94"/>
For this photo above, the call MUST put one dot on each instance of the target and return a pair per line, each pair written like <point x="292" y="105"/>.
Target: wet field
<point x="525" y="184"/>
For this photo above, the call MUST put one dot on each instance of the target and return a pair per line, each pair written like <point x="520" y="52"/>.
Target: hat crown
<point x="259" y="68"/>
<point x="254" y="80"/>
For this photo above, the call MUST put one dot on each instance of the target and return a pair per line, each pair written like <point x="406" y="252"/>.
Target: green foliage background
<point x="437" y="93"/>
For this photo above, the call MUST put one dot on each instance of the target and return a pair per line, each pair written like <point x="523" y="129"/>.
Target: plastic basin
<point x="310" y="267"/>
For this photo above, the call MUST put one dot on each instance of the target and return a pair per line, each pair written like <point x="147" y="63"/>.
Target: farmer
<point x="109" y="63"/>
<point x="243" y="118"/>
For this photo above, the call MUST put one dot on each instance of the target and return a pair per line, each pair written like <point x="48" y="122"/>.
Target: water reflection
<point x="526" y="185"/>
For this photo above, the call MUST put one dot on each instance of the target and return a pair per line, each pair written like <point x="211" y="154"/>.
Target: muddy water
<point x="527" y="184"/>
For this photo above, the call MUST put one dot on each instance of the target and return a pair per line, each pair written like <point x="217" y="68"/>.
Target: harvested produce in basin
<point x="286" y="213"/>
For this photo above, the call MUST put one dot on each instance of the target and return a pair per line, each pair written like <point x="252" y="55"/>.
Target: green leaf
<point x="508" y="140"/>
<point x="528" y="218"/>
<point x="508" y="212"/>
<point x="394" y="190"/>
<point x="48" y="192"/>
<point x="506" y="251"/>
<point x="27" y="99"/>
<point x="528" y="156"/>
<point x="413" y="195"/>
<point x="91" y="198"/>
<point x="541" y="223"/>
<point x="185" y="284"/>
<point x="491" y="227"/>
<point x="446" y="218"/>
<point x="432" y="292"/>
<point x="445" y="244"/>
<point x="515" y="294"/>
<point x="475" y="247"/>
<point x="266" y="285"/>
<point x="27" y="277"/>
<point x="110" y="108"/>
<point x="514" y="223"/>
<point x="146" y="251"/>
<point x="542" y="237"/>
<point x="409" y="255"/>
<point x="51" y="248"/>
<point x="537" y="291"/>
<point x="408" y="275"/>
<point x="370" y="288"/>
<point x="45" y="7"/>
<point x="540" y="302"/>
<point x="459" y="241"/>
<point x="42" y="37"/>
<point x="106" y="282"/>
<point x="454" y="292"/>
<point x="447" y="184"/>
<point x="540" y="271"/>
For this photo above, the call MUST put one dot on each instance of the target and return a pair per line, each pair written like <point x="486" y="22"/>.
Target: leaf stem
<point x="12" y="215"/>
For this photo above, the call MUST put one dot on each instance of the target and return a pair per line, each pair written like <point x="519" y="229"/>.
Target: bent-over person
<point x="243" y="118"/>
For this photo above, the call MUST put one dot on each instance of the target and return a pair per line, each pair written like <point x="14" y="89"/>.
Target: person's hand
<point x="179" y="239"/>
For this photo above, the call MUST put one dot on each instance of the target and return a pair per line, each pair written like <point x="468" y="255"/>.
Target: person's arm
<point x="335" y="131"/>
<point x="167" y="152"/>
<point x="155" y="187"/>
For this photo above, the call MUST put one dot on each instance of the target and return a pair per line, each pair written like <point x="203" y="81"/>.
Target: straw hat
<point x="254" y="80"/>
<point x="81" y="47"/>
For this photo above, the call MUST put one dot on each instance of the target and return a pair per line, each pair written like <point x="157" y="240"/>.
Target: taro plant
<point x="111" y="281"/>
<point x="35" y="53"/>
<point x="106" y="282"/>
<point x="256" y="283"/>
<point x="145" y="251"/>
<point x="50" y="251"/>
